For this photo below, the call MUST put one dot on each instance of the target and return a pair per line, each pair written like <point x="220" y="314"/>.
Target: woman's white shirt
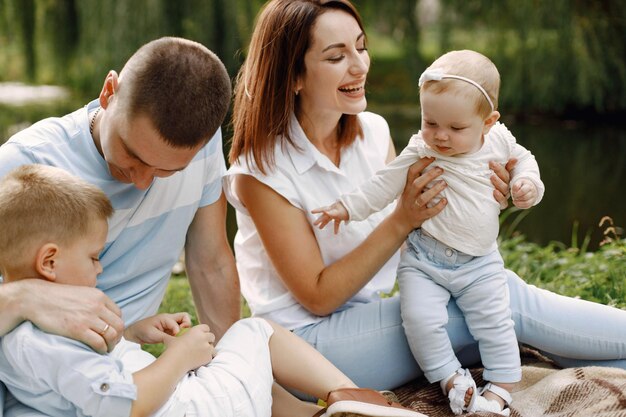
<point x="308" y="180"/>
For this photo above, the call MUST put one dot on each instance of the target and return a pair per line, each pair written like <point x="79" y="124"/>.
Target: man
<point x="152" y="143"/>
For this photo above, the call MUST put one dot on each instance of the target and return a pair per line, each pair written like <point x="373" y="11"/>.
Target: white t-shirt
<point x="308" y="180"/>
<point x="469" y="222"/>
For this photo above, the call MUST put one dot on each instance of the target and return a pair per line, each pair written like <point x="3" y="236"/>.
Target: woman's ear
<point x="108" y="89"/>
<point x="297" y="86"/>
<point x="490" y="121"/>
<point x="46" y="261"/>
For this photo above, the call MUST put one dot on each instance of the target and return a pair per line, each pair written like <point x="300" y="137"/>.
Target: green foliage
<point x="555" y="57"/>
<point x="571" y="270"/>
<point x="595" y="276"/>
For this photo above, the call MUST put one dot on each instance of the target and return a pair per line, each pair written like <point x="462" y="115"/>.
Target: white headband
<point x="438" y="75"/>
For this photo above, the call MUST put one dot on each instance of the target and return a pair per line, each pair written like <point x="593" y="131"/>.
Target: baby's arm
<point x="336" y="212"/>
<point x="156" y="382"/>
<point x="384" y="187"/>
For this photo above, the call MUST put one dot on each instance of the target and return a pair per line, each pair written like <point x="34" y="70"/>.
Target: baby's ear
<point x="46" y="261"/>
<point x="490" y="121"/>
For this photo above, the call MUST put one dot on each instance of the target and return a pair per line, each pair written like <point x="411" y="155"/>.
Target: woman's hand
<point x="501" y="180"/>
<point x="414" y="205"/>
<point x="155" y="329"/>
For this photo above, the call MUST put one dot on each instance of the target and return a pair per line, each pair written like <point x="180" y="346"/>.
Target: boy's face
<point x="78" y="263"/>
<point x="450" y="124"/>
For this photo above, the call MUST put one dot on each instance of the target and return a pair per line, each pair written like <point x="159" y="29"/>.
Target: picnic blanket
<point x="545" y="390"/>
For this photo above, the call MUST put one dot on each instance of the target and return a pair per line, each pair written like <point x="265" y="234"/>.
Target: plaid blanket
<point x="544" y="390"/>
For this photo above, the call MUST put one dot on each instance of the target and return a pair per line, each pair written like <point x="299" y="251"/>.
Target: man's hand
<point x="81" y="313"/>
<point x="154" y="329"/>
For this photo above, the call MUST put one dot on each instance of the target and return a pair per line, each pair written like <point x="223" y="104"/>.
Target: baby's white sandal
<point x="483" y="404"/>
<point x="463" y="381"/>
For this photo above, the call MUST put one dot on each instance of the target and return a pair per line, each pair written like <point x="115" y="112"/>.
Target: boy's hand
<point x="195" y="347"/>
<point x="524" y="193"/>
<point x="154" y="329"/>
<point x="336" y="212"/>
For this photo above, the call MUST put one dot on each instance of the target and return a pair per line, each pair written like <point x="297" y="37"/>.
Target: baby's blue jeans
<point x="430" y="272"/>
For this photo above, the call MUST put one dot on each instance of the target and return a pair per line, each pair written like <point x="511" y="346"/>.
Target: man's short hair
<point x="181" y="86"/>
<point x="40" y="204"/>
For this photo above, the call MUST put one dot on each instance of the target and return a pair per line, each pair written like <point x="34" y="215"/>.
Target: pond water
<point x="583" y="167"/>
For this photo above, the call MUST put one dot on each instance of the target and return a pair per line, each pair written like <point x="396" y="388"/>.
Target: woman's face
<point x="336" y="66"/>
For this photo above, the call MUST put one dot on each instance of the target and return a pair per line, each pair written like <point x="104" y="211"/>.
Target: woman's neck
<point x="321" y="131"/>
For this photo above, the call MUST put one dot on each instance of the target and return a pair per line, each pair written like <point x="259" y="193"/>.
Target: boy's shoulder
<point x="27" y="338"/>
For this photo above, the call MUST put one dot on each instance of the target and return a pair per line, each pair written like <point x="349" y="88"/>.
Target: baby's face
<point x="79" y="263"/>
<point x="450" y="124"/>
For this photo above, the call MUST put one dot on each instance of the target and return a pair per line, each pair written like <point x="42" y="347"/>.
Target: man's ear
<point x="46" y="261"/>
<point x="108" y="89"/>
<point x="490" y="121"/>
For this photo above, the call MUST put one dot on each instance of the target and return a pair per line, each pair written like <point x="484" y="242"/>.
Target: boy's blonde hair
<point x="472" y="65"/>
<point x="41" y="204"/>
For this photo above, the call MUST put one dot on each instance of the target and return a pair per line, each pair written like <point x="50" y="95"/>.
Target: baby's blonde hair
<point x="472" y="65"/>
<point x="40" y="204"/>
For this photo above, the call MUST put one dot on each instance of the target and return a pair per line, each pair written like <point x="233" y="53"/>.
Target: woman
<point x="301" y="139"/>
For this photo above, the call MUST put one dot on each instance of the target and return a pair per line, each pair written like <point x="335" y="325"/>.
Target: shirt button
<point x="104" y="387"/>
<point x="448" y="252"/>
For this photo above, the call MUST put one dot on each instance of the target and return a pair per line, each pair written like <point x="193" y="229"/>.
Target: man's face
<point x="134" y="150"/>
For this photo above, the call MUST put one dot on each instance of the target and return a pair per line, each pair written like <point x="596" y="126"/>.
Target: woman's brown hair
<point x="265" y="86"/>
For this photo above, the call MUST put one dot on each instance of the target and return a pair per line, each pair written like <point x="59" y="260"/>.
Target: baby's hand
<point x="524" y="193"/>
<point x="195" y="347"/>
<point x="336" y="212"/>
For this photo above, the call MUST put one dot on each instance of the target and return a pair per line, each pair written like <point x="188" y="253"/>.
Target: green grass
<point x="598" y="276"/>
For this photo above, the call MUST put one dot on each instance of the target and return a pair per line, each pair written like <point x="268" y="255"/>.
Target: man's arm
<point x="211" y="268"/>
<point x="76" y="312"/>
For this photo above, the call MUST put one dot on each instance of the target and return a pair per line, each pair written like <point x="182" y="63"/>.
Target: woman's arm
<point x="291" y="245"/>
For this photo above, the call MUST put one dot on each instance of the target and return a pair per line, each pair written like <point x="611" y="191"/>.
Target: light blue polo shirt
<point x="148" y="229"/>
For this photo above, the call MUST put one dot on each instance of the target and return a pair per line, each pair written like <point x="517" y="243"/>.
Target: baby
<point x="455" y="253"/>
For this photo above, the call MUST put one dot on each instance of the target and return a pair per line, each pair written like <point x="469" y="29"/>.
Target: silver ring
<point x="105" y="329"/>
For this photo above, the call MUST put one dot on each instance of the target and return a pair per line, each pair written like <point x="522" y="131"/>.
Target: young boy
<point x="54" y="227"/>
<point x="455" y="253"/>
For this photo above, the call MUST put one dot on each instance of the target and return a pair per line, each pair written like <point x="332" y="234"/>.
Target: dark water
<point x="583" y="167"/>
